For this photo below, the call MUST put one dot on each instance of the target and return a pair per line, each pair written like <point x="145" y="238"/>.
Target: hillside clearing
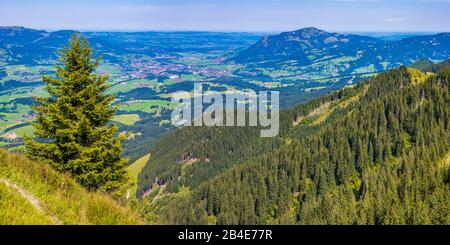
<point x="416" y="76"/>
<point x="133" y="171"/>
<point x="135" y="168"/>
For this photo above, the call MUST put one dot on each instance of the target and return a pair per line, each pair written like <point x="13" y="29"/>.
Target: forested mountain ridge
<point x="215" y="149"/>
<point x="205" y="152"/>
<point x="374" y="154"/>
<point x="311" y="48"/>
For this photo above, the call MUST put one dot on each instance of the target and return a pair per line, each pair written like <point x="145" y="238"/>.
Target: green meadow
<point x="126" y="119"/>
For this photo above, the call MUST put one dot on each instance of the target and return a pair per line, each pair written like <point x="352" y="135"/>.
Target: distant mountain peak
<point x="63" y="33"/>
<point x="17" y="28"/>
<point x="12" y="27"/>
<point x="309" y="30"/>
<point x="306" y="33"/>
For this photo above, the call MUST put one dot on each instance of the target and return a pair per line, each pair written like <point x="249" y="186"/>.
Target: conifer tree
<point x="72" y="124"/>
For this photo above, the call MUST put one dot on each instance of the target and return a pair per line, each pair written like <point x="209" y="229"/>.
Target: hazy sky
<point x="229" y="15"/>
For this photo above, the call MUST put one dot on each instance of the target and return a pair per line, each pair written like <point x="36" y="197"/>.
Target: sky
<point x="229" y="15"/>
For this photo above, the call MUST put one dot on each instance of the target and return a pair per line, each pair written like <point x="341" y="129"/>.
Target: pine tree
<point x="72" y="124"/>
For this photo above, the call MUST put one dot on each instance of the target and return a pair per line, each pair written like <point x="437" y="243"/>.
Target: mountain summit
<point x="297" y="45"/>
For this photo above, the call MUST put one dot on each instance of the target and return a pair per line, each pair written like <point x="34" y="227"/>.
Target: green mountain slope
<point x="371" y="154"/>
<point x="34" y="193"/>
<point x="205" y="152"/>
<point x="422" y="64"/>
<point x="426" y="65"/>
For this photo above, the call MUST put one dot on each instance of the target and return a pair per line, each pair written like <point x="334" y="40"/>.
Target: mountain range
<point x="304" y="46"/>
<point x="310" y="47"/>
<point x="21" y="45"/>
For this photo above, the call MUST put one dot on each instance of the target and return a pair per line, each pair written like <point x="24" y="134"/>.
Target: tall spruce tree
<point x="72" y="128"/>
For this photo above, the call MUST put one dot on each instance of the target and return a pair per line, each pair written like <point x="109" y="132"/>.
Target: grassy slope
<point x="15" y="209"/>
<point x="417" y="76"/>
<point x="61" y="198"/>
<point x="133" y="171"/>
<point x="445" y="163"/>
<point x="135" y="168"/>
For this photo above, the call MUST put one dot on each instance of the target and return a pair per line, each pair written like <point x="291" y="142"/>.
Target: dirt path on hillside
<point x="30" y="198"/>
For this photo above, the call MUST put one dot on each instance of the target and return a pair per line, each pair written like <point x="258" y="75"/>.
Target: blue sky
<point x="229" y="15"/>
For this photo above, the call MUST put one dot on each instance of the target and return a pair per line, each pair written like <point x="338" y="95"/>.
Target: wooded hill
<point x="377" y="153"/>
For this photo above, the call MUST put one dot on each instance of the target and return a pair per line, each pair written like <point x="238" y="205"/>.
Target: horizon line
<point x="131" y="30"/>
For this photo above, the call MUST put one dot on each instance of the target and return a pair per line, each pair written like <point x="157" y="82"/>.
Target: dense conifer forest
<point x="375" y="153"/>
